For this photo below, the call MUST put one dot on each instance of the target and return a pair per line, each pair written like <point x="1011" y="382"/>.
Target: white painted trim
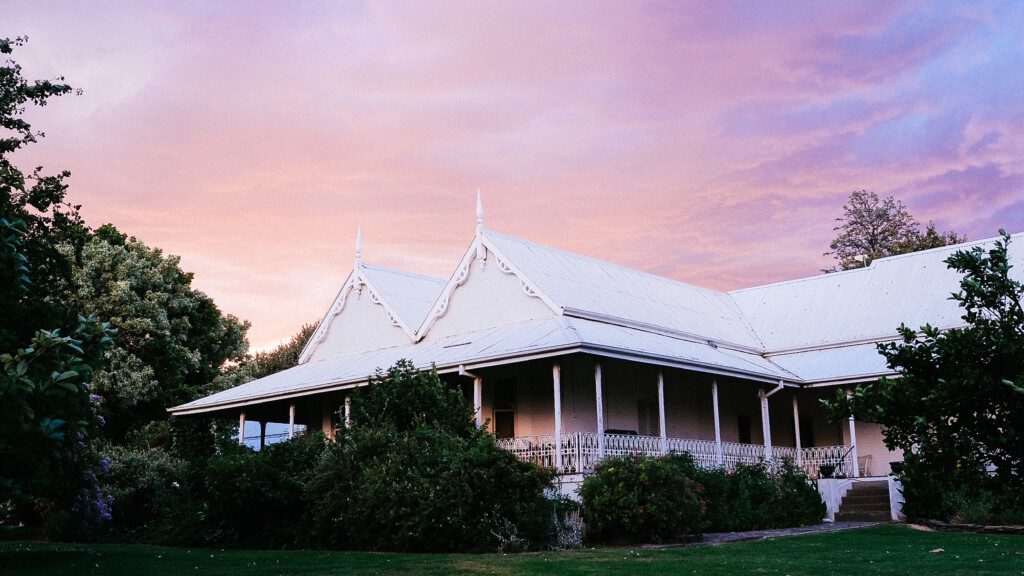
<point x="478" y="394"/>
<point x="556" y="378"/>
<point x="529" y="286"/>
<point x="357" y="278"/>
<point x="322" y="327"/>
<point x="458" y="277"/>
<point x="661" y="331"/>
<point x="291" y="420"/>
<point x="241" y="427"/>
<point x="849" y="343"/>
<point x="826" y="382"/>
<point x="486" y="363"/>
<point x="356" y="382"/>
<point x="766" y="426"/>
<point x="599" y="405"/>
<point x="377" y="298"/>
<point x="478" y="401"/>
<point x="718" y="423"/>
<point x="853" y="441"/>
<point x="674" y="363"/>
<point x="348" y="411"/>
<point x="662" y="428"/>
<point x="796" y="431"/>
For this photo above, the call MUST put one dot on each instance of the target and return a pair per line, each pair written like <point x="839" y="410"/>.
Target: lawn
<point x="887" y="549"/>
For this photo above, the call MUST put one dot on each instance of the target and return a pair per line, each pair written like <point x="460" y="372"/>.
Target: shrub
<point x="144" y="486"/>
<point x="413" y="473"/>
<point x="799" y="504"/>
<point x="959" y="492"/>
<point x="245" y="498"/>
<point x="753" y="497"/>
<point x="642" y="499"/>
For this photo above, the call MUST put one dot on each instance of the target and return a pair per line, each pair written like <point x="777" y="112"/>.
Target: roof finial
<point x="359" y="245"/>
<point x="479" y="212"/>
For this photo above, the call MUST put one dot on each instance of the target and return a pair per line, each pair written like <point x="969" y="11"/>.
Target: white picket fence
<point x="581" y="451"/>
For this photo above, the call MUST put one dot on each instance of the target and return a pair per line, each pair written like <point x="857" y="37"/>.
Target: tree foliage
<point x="34" y="218"/>
<point x="873" y="228"/>
<point x="255" y="366"/>
<point x="415" y="474"/>
<point x="670" y="498"/>
<point x="958" y="401"/>
<point x="172" y="339"/>
<point x="48" y="350"/>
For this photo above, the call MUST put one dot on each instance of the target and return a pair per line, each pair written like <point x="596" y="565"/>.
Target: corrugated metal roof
<point x="411" y="295"/>
<point x="861" y="361"/>
<point x="605" y="336"/>
<point x="817" y="329"/>
<point x="609" y="290"/>
<point x="861" y="304"/>
<point x="506" y="341"/>
<point x="495" y="342"/>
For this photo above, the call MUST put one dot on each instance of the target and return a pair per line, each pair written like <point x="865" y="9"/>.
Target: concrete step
<point x="869" y="489"/>
<point x="866" y="499"/>
<point x="865" y="508"/>
<point x="863" y="516"/>
<point x="880" y="484"/>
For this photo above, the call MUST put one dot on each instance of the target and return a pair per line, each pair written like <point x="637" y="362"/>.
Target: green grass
<point x="888" y="549"/>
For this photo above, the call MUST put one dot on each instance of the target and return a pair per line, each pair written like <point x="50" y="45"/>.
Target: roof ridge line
<point x="608" y="263"/>
<point x="959" y="246"/>
<point x="365" y="264"/>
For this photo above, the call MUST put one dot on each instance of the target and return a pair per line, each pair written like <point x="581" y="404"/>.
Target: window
<point x="743" y="426"/>
<point x="806" y="431"/>
<point x="505" y="408"/>
<point x="647" y="418"/>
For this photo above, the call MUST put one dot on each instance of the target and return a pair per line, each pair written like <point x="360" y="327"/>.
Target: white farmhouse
<point x="568" y="359"/>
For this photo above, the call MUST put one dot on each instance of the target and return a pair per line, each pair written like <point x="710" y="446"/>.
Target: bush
<point x="958" y="491"/>
<point x="413" y="473"/>
<point x="145" y="489"/>
<point x="245" y="498"/>
<point x="642" y="499"/>
<point x="800" y="503"/>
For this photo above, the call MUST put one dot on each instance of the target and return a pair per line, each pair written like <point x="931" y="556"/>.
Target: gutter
<point x="604" y="351"/>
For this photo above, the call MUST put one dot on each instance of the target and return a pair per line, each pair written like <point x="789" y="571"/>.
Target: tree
<point x="872" y="228"/>
<point x="957" y="406"/>
<point x="173" y="340"/>
<point x="283" y="356"/>
<point x="47" y="414"/>
<point x="34" y="218"/>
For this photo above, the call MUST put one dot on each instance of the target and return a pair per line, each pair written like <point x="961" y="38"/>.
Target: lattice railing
<point x="836" y="457"/>
<point x="581" y="451"/>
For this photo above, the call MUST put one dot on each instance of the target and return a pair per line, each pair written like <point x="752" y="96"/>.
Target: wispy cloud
<point x="712" y="144"/>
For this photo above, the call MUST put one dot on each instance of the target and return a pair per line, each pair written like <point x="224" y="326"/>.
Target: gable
<point x="357" y="323"/>
<point x="409" y="296"/>
<point x="484" y="292"/>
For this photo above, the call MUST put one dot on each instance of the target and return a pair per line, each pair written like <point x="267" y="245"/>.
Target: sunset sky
<point x="715" y="145"/>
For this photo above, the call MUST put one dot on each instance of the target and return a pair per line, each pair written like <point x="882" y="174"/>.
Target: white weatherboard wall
<point x="361" y="326"/>
<point x="870" y="442"/>
<point x="488" y="297"/>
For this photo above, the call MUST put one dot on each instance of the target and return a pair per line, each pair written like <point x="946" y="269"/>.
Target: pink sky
<point x="712" y="145"/>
